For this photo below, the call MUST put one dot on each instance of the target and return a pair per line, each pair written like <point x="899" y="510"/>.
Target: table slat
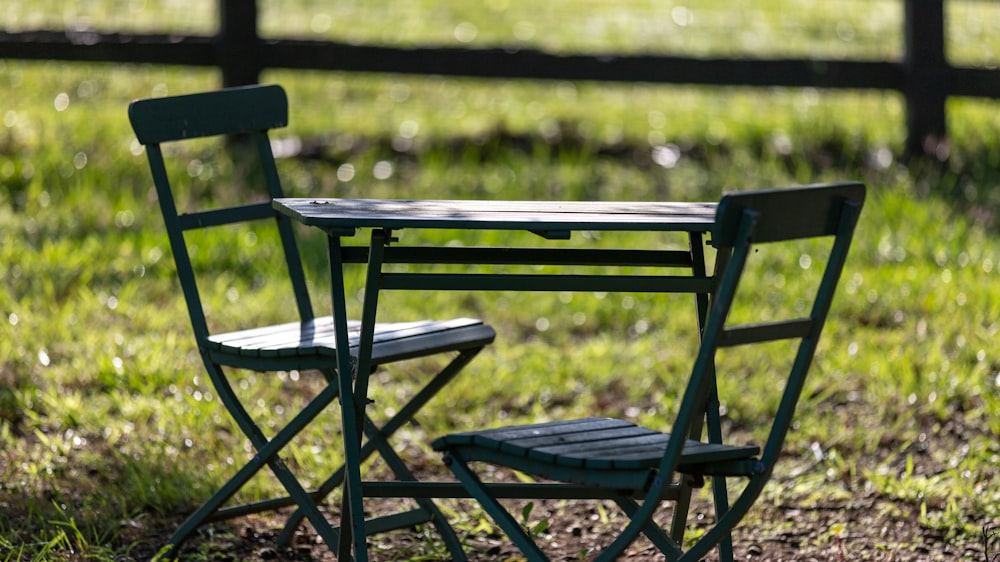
<point x="476" y="214"/>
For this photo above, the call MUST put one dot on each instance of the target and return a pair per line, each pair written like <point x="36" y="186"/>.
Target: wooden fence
<point x="924" y="77"/>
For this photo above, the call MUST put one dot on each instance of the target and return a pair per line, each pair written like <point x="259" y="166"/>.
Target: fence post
<point x="237" y="42"/>
<point x="926" y="76"/>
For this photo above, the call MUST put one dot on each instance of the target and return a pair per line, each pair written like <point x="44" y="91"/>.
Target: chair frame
<point x="743" y="221"/>
<point x="249" y="113"/>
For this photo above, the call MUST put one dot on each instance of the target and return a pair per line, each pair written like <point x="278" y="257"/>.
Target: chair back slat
<point x="770" y="331"/>
<point x="246" y="114"/>
<point x="226" y="215"/>
<point x="743" y="220"/>
<point x="786" y="214"/>
<point x="233" y="111"/>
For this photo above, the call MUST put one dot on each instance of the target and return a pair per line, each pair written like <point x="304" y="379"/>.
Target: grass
<point x="100" y="387"/>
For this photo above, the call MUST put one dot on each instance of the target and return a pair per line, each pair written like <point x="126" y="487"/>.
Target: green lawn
<point x="101" y="388"/>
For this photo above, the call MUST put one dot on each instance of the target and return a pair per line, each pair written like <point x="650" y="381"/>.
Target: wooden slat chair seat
<point x="245" y="115"/>
<point x="313" y="342"/>
<point x="638" y="463"/>
<point x="597" y="445"/>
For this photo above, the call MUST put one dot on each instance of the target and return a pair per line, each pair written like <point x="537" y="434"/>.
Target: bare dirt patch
<point x="867" y="527"/>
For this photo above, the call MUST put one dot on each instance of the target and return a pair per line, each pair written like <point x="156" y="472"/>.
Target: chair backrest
<point x="744" y="221"/>
<point x="245" y="115"/>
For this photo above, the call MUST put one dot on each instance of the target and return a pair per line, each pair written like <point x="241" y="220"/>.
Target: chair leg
<point x="678" y="523"/>
<point x="721" y="496"/>
<point x="403" y="473"/>
<point x="666" y="544"/>
<point x="405" y="414"/>
<point x="377" y="442"/>
<point x="267" y="451"/>
<point x="726" y="522"/>
<point x="500" y="515"/>
<point x="212" y="505"/>
<point x="719" y="492"/>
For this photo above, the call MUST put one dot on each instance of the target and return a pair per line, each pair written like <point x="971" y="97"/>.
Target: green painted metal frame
<point x="383" y="249"/>
<point x="743" y="221"/>
<point x="249" y="113"/>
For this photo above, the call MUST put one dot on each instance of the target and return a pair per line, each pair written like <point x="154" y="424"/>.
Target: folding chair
<point x="245" y="115"/>
<point x="646" y="464"/>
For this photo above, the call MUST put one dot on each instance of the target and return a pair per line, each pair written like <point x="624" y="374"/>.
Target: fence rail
<point x="923" y="76"/>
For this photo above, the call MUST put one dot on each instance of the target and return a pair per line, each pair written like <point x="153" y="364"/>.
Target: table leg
<point x="352" y="527"/>
<point x="372" y="446"/>
<point x="369" y="312"/>
<point x="376" y="253"/>
<point x="712" y="420"/>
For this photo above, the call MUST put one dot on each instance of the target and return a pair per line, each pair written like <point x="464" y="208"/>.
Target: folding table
<point x="661" y="270"/>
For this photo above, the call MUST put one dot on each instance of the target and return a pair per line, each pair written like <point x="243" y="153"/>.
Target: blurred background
<point x="101" y="388"/>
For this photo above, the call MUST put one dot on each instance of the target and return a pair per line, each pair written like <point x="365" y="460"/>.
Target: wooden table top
<point x="552" y="216"/>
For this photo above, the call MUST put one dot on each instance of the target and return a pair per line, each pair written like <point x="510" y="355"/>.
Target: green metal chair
<point x="245" y="115"/>
<point x="645" y="466"/>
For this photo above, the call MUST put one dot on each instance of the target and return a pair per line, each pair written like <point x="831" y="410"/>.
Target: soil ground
<point x="867" y="527"/>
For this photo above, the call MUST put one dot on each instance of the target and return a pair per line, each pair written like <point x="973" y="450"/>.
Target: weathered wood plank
<point x="597" y="443"/>
<point x="530" y="216"/>
<point x="319" y="337"/>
